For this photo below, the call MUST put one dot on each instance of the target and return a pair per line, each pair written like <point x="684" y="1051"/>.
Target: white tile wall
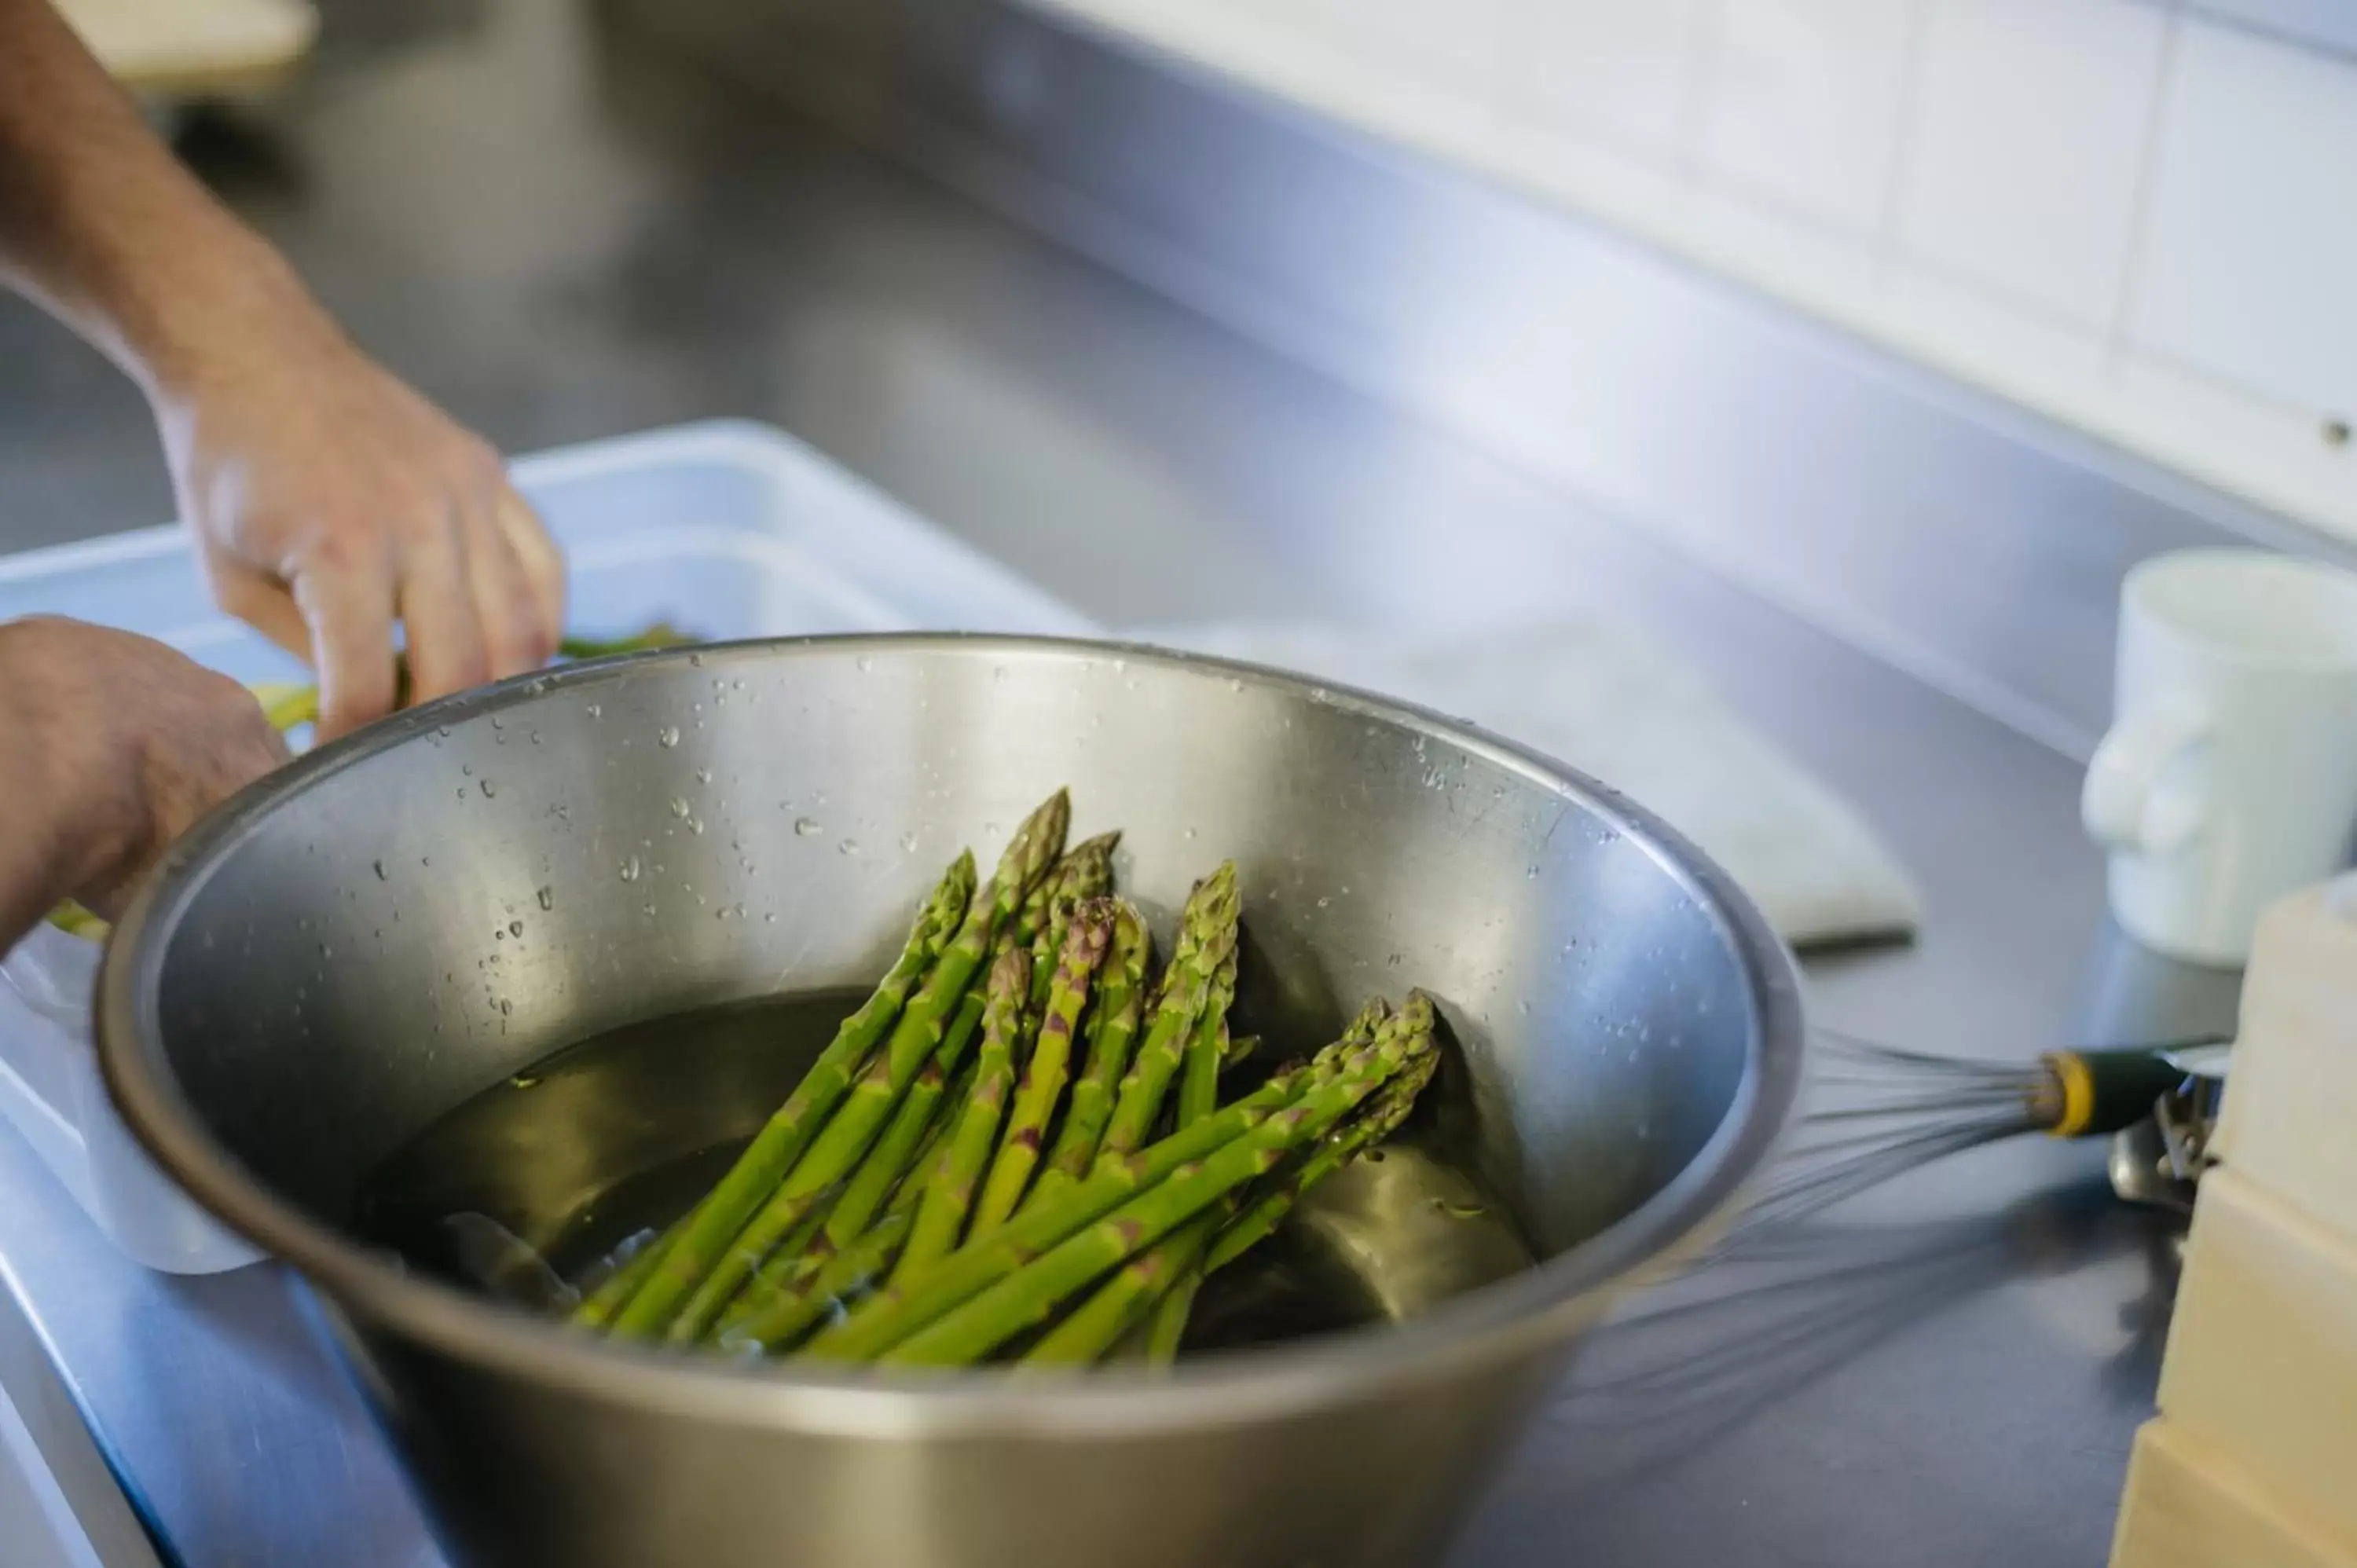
<point x="2125" y="213"/>
<point x="1803" y="102"/>
<point x="2030" y="119"/>
<point x="1622" y="73"/>
<point x="2250" y="268"/>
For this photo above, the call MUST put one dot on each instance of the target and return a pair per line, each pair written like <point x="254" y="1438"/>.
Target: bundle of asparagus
<point x="907" y="1204"/>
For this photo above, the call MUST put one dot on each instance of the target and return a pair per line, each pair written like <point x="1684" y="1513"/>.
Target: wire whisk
<point x="1878" y="1112"/>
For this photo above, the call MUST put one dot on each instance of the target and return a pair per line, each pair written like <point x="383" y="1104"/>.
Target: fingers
<point x="323" y="559"/>
<point x="447" y="648"/>
<point x="344" y="586"/>
<point x="543" y="564"/>
<point x="263" y="603"/>
<point x="515" y="634"/>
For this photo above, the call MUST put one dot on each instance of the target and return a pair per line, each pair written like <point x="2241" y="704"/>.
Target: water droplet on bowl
<point x="679" y="807"/>
<point x="864" y="663"/>
<point x="547" y="896"/>
<point x="808" y="827"/>
<point x="703" y="776"/>
<point x="848" y="846"/>
<point x="667" y="737"/>
<point x="596" y="711"/>
<point x="630" y="869"/>
<point x="490" y="788"/>
<point x="379" y="866"/>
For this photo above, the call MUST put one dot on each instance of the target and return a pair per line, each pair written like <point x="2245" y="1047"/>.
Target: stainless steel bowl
<point x="396" y="922"/>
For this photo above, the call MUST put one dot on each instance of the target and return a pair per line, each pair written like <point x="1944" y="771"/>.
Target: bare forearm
<point x="327" y="498"/>
<point x="99" y="223"/>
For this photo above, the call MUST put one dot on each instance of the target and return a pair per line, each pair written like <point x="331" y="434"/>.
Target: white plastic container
<point x="724" y="530"/>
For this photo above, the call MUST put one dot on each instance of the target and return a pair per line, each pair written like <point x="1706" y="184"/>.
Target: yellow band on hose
<point x="2078" y="1093"/>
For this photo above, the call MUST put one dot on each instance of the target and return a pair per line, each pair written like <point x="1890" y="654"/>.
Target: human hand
<point x="115" y="744"/>
<point x="329" y="500"/>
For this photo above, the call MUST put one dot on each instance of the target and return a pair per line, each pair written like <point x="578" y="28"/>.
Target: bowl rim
<point x="1512" y="1318"/>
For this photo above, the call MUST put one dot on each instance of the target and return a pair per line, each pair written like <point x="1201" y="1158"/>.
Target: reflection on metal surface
<point x="2160" y="1161"/>
<point x="1688" y="1362"/>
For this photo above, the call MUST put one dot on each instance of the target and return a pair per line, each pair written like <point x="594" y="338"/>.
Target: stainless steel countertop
<point x="562" y="234"/>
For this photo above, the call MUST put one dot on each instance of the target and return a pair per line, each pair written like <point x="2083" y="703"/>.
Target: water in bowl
<point x="537" y="1183"/>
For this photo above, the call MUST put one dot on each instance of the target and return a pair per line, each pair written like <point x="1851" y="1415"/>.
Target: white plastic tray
<point x="724" y="530"/>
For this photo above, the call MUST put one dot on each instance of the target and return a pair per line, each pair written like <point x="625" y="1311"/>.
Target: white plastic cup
<point x="2229" y="778"/>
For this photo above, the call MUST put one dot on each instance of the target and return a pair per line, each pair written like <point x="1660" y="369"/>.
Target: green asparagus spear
<point x="1207" y="934"/>
<point x="785" y="1318"/>
<point x="1087" y="932"/>
<point x="1379" y="1121"/>
<point x="887" y="1319"/>
<point x="949" y="1197"/>
<point x="1112" y="1025"/>
<point x="790" y="1260"/>
<point x="1094" y="1327"/>
<point x="1091" y="1329"/>
<point x="1032" y="1291"/>
<point x="1198" y="1086"/>
<point x="1233" y="1235"/>
<point x="836" y="1149"/>
<point x="597" y="1308"/>
<point x="659" y="635"/>
<point x="1086" y="873"/>
<point x="897" y="1310"/>
<point x="918" y="1126"/>
<point x="792" y="1131"/>
<point x="795" y="1265"/>
<point x="1199" y="1093"/>
<point x="1037" y="918"/>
